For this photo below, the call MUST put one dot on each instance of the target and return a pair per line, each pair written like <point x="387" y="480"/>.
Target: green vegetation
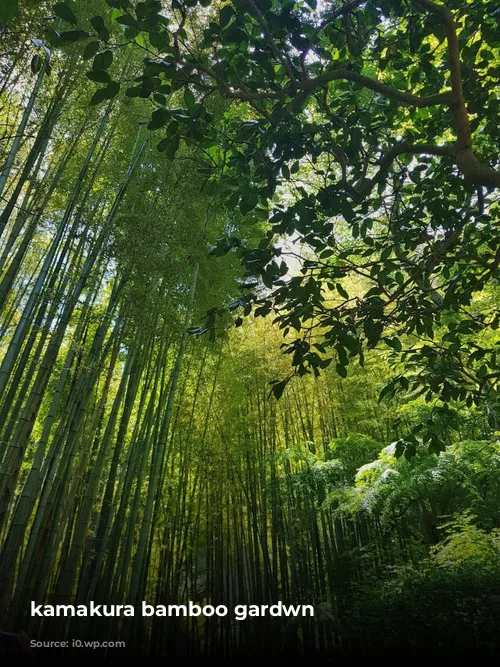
<point x="249" y="308"/>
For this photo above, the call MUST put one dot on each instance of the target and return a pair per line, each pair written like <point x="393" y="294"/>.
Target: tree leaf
<point x="225" y="15"/>
<point x="98" y="77"/>
<point x="341" y="370"/>
<point x="189" y="99"/>
<point x="126" y="19"/>
<point x="278" y="389"/>
<point x="102" y="60"/>
<point x="65" y="13"/>
<point x="160" y="41"/>
<point x="395" y="343"/>
<point x="247" y="204"/>
<point x="97" y="23"/>
<point x="341" y="291"/>
<point x="169" y="146"/>
<point x="112" y="90"/>
<point x="98" y="97"/>
<point x="8" y="10"/>
<point x="90" y="50"/>
<point x="100" y="28"/>
<point x="107" y="93"/>
<point x="71" y="36"/>
<point x="159" y="118"/>
<point x="36" y="63"/>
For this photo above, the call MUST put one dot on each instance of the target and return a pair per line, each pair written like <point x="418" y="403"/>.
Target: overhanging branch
<point x="377" y="86"/>
<point x="310" y="85"/>
<point x="386" y="161"/>
<point x="269" y="38"/>
<point x="467" y="161"/>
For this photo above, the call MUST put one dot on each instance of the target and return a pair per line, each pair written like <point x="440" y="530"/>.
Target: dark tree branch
<point x="310" y="85"/>
<point x="386" y="161"/>
<point x="467" y="161"/>
<point x="269" y="39"/>
<point x="341" y="11"/>
<point x="377" y="86"/>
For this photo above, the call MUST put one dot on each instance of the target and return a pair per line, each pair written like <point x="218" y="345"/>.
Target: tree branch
<point x="269" y="38"/>
<point x="309" y="85"/>
<point x="376" y="86"/>
<point x="467" y="161"/>
<point x="342" y="11"/>
<point x="386" y="161"/>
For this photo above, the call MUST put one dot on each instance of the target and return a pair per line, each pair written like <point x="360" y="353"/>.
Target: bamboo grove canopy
<point x="186" y="190"/>
<point x="359" y="109"/>
<point x="381" y="118"/>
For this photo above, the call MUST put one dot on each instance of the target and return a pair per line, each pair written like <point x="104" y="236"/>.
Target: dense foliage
<point x="358" y="112"/>
<point x="171" y="170"/>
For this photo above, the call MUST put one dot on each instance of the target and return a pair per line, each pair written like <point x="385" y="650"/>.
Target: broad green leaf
<point x="103" y="61"/>
<point x="133" y="92"/>
<point x="341" y="370"/>
<point x="225" y="15"/>
<point x="90" y="50"/>
<point x="107" y="93"/>
<point x="64" y="12"/>
<point x="341" y="291"/>
<point x="8" y="10"/>
<point x="71" y="36"/>
<point x="98" y="77"/>
<point x="36" y="63"/>
<point x="189" y="99"/>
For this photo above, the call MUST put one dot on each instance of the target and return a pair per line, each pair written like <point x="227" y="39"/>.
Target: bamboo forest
<point x="249" y="312"/>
